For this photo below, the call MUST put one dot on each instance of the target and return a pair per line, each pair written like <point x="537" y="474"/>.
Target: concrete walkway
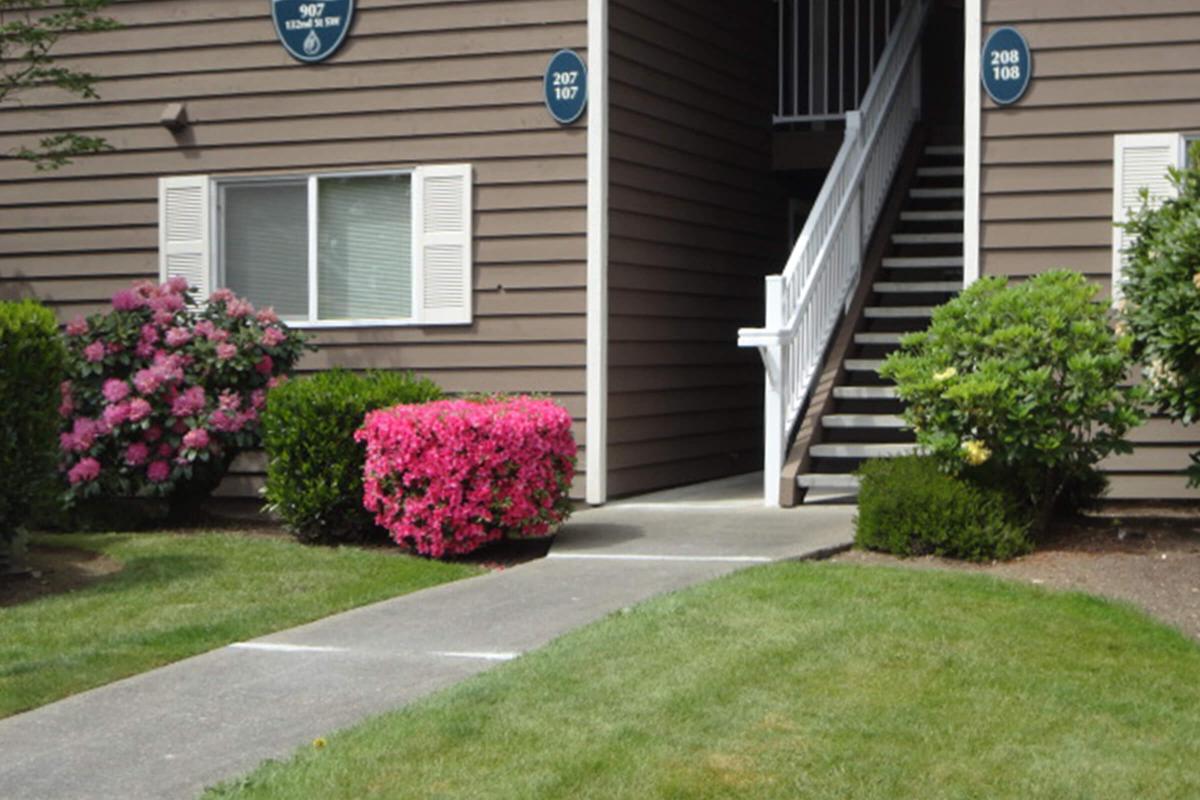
<point x="173" y="731"/>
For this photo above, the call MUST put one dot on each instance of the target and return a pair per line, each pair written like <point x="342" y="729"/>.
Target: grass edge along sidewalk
<point x="799" y="680"/>
<point x="178" y="595"/>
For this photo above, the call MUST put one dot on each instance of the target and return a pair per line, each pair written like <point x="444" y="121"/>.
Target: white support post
<point x="773" y="412"/>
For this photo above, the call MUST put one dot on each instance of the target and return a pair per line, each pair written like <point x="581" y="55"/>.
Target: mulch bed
<point x="1147" y="556"/>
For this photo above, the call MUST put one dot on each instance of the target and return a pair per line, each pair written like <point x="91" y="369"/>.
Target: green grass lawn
<point x="179" y="595"/>
<point x="800" y="681"/>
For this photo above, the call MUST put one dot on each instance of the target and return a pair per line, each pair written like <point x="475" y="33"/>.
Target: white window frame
<point x="311" y="180"/>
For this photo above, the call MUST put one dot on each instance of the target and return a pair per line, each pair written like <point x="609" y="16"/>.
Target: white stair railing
<point x="806" y="302"/>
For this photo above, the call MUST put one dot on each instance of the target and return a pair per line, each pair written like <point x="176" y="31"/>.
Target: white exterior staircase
<point x="923" y="269"/>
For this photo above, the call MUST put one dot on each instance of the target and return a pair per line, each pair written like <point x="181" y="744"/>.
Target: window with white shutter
<point x="185" y="231"/>
<point x="1141" y="161"/>
<point x="442" y="243"/>
<point x="376" y="248"/>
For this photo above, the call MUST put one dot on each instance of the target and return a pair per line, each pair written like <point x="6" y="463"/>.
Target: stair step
<point x="866" y="393"/>
<point x="861" y="421"/>
<point x="878" y="338"/>
<point x="944" y="149"/>
<point x="940" y="172"/>
<point x="825" y="481"/>
<point x="923" y="262"/>
<point x="864" y="450"/>
<point x="919" y="287"/>
<point x="929" y="194"/>
<point x="932" y="216"/>
<point x="898" y="312"/>
<point x="863" y="364"/>
<point x="928" y="238"/>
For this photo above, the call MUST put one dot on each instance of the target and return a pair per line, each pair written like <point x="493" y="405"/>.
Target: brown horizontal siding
<point x="1100" y="68"/>
<point x="694" y="225"/>
<point x="441" y="81"/>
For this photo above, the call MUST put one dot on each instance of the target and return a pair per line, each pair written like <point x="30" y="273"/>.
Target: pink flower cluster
<point x="446" y="478"/>
<point x="161" y="389"/>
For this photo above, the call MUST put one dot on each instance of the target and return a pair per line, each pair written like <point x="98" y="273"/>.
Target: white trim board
<point x="597" y="254"/>
<point x="972" y="139"/>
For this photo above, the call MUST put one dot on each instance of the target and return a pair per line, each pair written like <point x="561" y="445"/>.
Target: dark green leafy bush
<point x="1161" y="305"/>
<point x="910" y="507"/>
<point x="1022" y="387"/>
<point x="31" y="369"/>
<point x="314" y="467"/>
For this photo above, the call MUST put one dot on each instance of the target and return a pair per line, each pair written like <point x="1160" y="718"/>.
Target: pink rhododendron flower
<point x="219" y="335"/>
<point x="116" y="415"/>
<point x="229" y="401"/>
<point x="94" y="352"/>
<point x="77" y="327"/>
<point x="114" y="347"/>
<point x="147" y="381"/>
<point x="153" y="434"/>
<point x="238" y="308"/>
<point x="139" y="409"/>
<point x="158" y="471"/>
<point x="176" y="284"/>
<point x="167" y="304"/>
<point x="67" y="407"/>
<point x="278" y="380"/>
<point x="265" y="365"/>
<point x="150" y="333"/>
<point x="267" y="316"/>
<point x="83" y="434"/>
<point x="258" y="399"/>
<point x="144" y="350"/>
<point x="225" y="421"/>
<point x="127" y="300"/>
<point x="88" y="469"/>
<point x="137" y="454"/>
<point x="165" y="450"/>
<point x="204" y="328"/>
<point x="196" y="439"/>
<point x="115" y="390"/>
<point x="189" y="403"/>
<point x="163" y="318"/>
<point x="226" y="351"/>
<point x="221" y="296"/>
<point x="178" y="337"/>
<point x="273" y="337"/>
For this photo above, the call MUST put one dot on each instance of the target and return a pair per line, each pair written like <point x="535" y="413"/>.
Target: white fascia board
<point x="597" y="254"/>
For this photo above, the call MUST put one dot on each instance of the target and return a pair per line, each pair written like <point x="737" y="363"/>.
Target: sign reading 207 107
<point x="312" y="31"/>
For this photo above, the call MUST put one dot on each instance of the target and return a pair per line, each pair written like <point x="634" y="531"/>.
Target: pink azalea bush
<point x="446" y="478"/>
<point x="163" y="394"/>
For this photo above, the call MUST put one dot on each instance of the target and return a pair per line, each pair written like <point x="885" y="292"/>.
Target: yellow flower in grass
<point x="319" y="743"/>
<point x="945" y="375"/>
<point x="1196" y="280"/>
<point x="975" y="452"/>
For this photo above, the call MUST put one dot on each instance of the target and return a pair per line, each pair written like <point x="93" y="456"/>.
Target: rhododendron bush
<point x="446" y="478"/>
<point x="163" y="394"/>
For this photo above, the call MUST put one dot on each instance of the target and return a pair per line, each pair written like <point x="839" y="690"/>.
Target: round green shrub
<point x="31" y="368"/>
<point x="314" y="466"/>
<point x="911" y="507"/>
<point x="1021" y="387"/>
<point x="1161" y="300"/>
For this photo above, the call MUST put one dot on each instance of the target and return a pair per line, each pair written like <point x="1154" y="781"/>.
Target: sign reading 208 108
<point x="312" y="31"/>
<point x="566" y="87"/>
<point x="1007" y="66"/>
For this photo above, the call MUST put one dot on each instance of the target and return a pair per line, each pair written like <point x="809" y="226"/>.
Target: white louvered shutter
<point x="1141" y="162"/>
<point x="184" y="228"/>
<point x="442" y="243"/>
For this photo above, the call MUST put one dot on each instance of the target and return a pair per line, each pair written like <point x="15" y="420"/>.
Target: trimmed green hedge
<point x="31" y="369"/>
<point x="910" y="507"/>
<point x="314" y="467"/>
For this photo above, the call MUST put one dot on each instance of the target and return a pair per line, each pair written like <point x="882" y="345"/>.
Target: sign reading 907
<point x="566" y="87"/>
<point x="1007" y="66"/>
<point x="312" y="30"/>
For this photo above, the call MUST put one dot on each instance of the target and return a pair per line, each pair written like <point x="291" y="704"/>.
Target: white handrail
<point x="805" y="303"/>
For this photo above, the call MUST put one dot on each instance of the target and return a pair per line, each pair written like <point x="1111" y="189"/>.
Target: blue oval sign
<point x="312" y="31"/>
<point x="1007" y="66"/>
<point x="566" y="87"/>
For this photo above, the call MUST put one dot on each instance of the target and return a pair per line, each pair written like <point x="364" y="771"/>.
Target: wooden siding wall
<point x="695" y="224"/>
<point x="1101" y="68"/>
<point x="416" y="82"/>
